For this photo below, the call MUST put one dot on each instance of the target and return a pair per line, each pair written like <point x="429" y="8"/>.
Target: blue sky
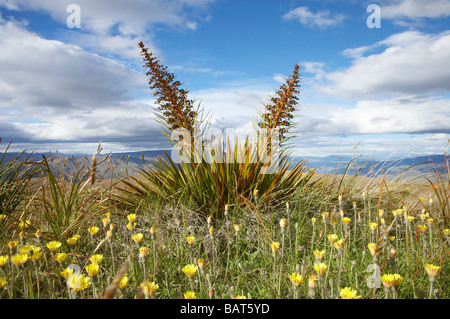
<point x="384" y="89"/>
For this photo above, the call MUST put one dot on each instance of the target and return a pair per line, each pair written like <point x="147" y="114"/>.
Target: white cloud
<point x="412" y="63"/>
<point x="320" y="19"/>
<point x="414" y="9"/>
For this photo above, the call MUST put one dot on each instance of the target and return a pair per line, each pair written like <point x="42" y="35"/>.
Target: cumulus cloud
<point x="413" y="9"/>
<point x="411" y="63"/>
<point x="321" y="19"/>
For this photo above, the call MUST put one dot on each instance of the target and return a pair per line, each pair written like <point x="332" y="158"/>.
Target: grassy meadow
<point x="220" y="230"/>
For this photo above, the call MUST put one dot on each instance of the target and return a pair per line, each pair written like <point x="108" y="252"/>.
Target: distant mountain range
<point x="123" y="164"/>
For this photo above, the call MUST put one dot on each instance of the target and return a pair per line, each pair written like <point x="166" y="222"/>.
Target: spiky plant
<point x="235" y="172"/>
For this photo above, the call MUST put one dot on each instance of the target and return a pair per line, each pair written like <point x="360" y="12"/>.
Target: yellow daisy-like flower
<point x="189" y="295"/>
<point x="349" y="293"/>
<point x="143" y="251"/>
<point x="446" y="232"/>
<point x="283" y="223"/>
<point x="61" y="257"/>
<point x="190" y="240"/>
<point x="373" y="248"/>
<point x="373" y="226"/>
<point x="387" y="280"/>
<point x="3" y="260"/>
<point x="24" y="224"/>
<point x="131" y="218"/>
<point x="397" y="280"/>
<point x="66" y="272"/>
<point x="2" y="217"/>
<point x="38" y="234"/>
<point x="312" y="281"/>
<point x="36" y="256"/>
<point x="237" y="228"/>
<point x="92" y="269"/>
<point x="28" y="249"/>
<point x="275" y="246"/>
<point x="105" y="222"/>
<point x="149" y="288"/>
<point x="422" y="228"/>
<point x="240" y="297"/>
<point x="391" y="238"/>
<point x="211" y="230"/>
<point x="209" y="220"/>
<point x="53" y="246"/>
<point x="339" y="245"/>
<point x="432" y="271"/>
<point x="318" y="254"/>
<point x="411" y="219"/>
<point x="109" y="234"/>
<point x="19" y="259"/>
<point x="79" y="282"/>
<point x="296" y="279"/>
<point x="12" y="244"/>
<point x="320" y="268"/>
<point x="152" y="230"/>
<point x="332" y="237"/>
<point x="137" y="238"/>
<point x="346" y="220"/>
<point x="3" y="282"/>
<point x="201" y="263"/>
<point x="430" y="221"/>
<point x="93" y="230"/>
<point x="96" y="259"/>
<point x="131" y="226"/>
<point x="123" y="282"/>
<point x="313" y="220"/>
<point x="397" y="212"/>
<point x="190" y="270"/>
<point x="72" y="240"/>
<point x="423" y="216"/>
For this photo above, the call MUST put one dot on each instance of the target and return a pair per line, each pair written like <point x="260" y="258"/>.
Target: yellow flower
<point x="93" y="230"/>
<point x="190" y="270"/>
<point x="423" y="216"/>
<point x="2" y="217"/>
<point x="283" y="223"/>
<point x="12" y="244"/>
<point x="430" y="221"/>
<point x="320" y="268"/>
<point x="339" y="245"/>
<point x="387" y="280"/>
<point x="96" y="259"/>
<point x="373" y="226"/>
<point x="78" y="282"/>
<point x="209" y="220"/>
<point x="28" y="249"/>
<point x="149" y="288"/>
<point x="24" y="224"/>
<point x="397" y="280"/>
<point x="346" y="220"/>
<point x="36" y="256"/>
<point x="325" y="216"/>
<point x="131" y="218"/>
<point x="143" y="251"/>
<point x="61" y="257"/>
<point x="92" y="269"/>
<point x="312" y="281"/>
<point x="332" y="237"/>
<point x="373" y="247"/>
<point x="211" y="230"/>
<point x="349" y="293"/>
<point x="391" y="238"/>
<point x="411" y="219"/>
<point x="53" y="246"/>
<point x="422" y="228"/>
<point x="296" y="279"/>
<point x="190" y="240"/>
<point x="201" y="263"/>
<point x="189" y="295"/>
<point x="66" y="272"/>
<point x="105" y="222"/>
<point x="397" y="212"/>
<point x="446" y="232"/>
<point x="123" y="282"/>
<point x="72" y="240"/>
<point x="240" y="297"/>
<point x="131" y="226"/>
<point x="275" y="246"/>
<point x="137" y="237"/>
<point x="3" y="282"/>
<point x="318" y="254"/>
<point x="3" y="260"/>
<point x="432" y="271"/>
<point x="152" y="230"/>
<point x="237" y="228"/>
<point x="109" y="234"/>
<point x="19" y="259"/>
<point x="38" y="234"/>
<point x="313" y="220"/>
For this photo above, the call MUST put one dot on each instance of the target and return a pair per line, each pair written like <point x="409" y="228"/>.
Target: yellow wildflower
<point x="123" y="282"/>
<point x="96" y="259"/>
<point x="149" y="288"/>
<point x="131" y="218"/>
<point x="189" y="295"/>
<point x="3" y="260"/>
<point x="240" y="297"/>
<point x="12" y="244"/>
<point x="61" y="257"/>
<point x="373" y="226"/>
<point x="201" y="263"/>
<point x="190" y="270"/>
<point x="332" y="237"/>
<point x="143" y="251"/>
<point x="92" y="269"/>
<point x="296" y="279"/>
<point x="422" y="228"/>
<point x="19" y="259"/>
<point x="312" y="282"/>
<point x="397" y="280"/>
<point x="320" y="268"/>
<point x="283" y="223"/>
<point x="211" y="230"/>
<point x="318" y="254"/>
<point x="66" y="272"/>
<point x="137" y="238"/>
<point x="237" y="228"/>
<point x="339" y="245"/>
<point x="3" y="282"/>
<point x="373" y="248"/>
<point x="36" y="256"/>
<point x="387" y="280"/>
<point x="275" y="246"/>
<point x="349" y="293"/>
<point x="432" y="271"/>
<point x="346" y="220"/>
<point x="131" y="226"/>
<point x="72" y="240"/>
<point x="190" y="240"/>
<point x="24" y="224"/>
<point x="79" y="282"/>
<point x="93" y="230"/>
<point x="430" y="221"/>
<point x="53" y="246"/>
<point x="446" y="232"/>
<point x="325" y="216"/>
